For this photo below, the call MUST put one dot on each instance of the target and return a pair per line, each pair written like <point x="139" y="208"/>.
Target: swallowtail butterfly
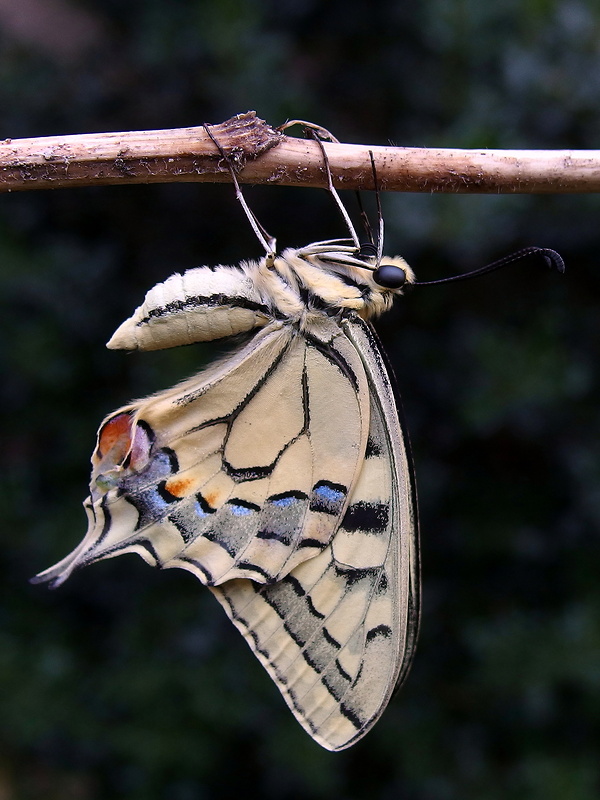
<point x="279" y="477"/>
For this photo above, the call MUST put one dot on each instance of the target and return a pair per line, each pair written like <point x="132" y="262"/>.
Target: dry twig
<point x="265" y="155"/>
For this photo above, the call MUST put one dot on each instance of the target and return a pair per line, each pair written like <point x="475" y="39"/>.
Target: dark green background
<point x="128" y="682"/>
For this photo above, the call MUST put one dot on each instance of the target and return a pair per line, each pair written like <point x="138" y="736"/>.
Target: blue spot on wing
<point x="286" y="499"/>
<point x="329" y="494"/>
<point x="240" y="511"/>
<point x="328" y="497"/>
<point x="151" y="507"/>
<point x="199" y="510"/>
<point x="284" y="502"/>
<point x="201" y="507"/>
<point x="242" y="508"/>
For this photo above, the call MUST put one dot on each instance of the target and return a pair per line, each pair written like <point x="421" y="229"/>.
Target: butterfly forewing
<point x="337" y="633"/>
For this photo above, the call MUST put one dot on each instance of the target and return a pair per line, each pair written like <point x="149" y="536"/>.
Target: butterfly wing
<point x="337" y="633"/>
<point x="241" y="472"/>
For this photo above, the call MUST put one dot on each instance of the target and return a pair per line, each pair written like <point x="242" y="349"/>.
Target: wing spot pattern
<point x="286" y="499"/>
<point x="329" y="638"/>
<point x="336" y="685"/>
<point x="202" y="507"/>
<point x="242" y="508"/>
<point x="277" y="536"/>
<point x="342" y="671"/>
<point x="282" y="517"/>
<point x="107" y="518"/>
<point x="351" y="716"/>
<point x="373" y="448"/>
<point x="148" y="546"/>
<point x="165" y="493"/>
<point x="314" y="612"/>
<point x="293" y="592"/>
<point x="201" y="568"/>
<point x="354" y="576"/>
<point x="367" y="517"/>
<point x="152" y="505"/>
<point x="380" y="630"/>
<point x="328" y="497"/>
<point x="246" y="565"/>
<point x="312" y="543"/>
<point x="162" y="465"/>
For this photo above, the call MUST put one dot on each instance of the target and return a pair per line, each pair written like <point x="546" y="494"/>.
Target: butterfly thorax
<point x="322" y="279"/>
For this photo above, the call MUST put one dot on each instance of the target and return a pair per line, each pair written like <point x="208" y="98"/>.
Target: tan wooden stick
<point x="265" y="155"/>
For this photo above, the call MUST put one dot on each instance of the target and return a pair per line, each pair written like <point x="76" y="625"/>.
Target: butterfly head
<point x="346" y="276"/>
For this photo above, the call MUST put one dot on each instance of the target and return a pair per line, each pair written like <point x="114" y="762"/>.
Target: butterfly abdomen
<point x="199" y="305"/>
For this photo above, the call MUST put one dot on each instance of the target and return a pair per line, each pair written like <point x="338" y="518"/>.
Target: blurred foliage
<point x="128" y="682"/>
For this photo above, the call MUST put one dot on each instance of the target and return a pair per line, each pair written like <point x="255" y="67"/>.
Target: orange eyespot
<point x="115" y="438"/>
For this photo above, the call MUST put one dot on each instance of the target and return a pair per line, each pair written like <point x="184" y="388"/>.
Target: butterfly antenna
<point x="543" y="255"/>
<point x="266" y="240"/>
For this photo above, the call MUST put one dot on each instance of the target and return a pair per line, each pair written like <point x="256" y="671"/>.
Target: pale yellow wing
<point x="337" y="634"/>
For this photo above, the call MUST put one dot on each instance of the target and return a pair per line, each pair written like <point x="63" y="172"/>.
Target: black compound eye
<point x="389" y="276"/>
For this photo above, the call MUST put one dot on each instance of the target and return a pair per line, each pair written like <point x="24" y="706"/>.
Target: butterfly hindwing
<point x="241" y="472"/>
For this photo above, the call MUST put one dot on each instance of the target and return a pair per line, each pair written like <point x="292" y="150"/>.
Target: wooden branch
<point x="265" y="155"/>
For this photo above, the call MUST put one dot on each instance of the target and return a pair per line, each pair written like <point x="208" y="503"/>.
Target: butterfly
<point x="279" y="476"/>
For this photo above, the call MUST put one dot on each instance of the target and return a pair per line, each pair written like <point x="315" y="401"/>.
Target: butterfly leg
<point x="267" y="241"/>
